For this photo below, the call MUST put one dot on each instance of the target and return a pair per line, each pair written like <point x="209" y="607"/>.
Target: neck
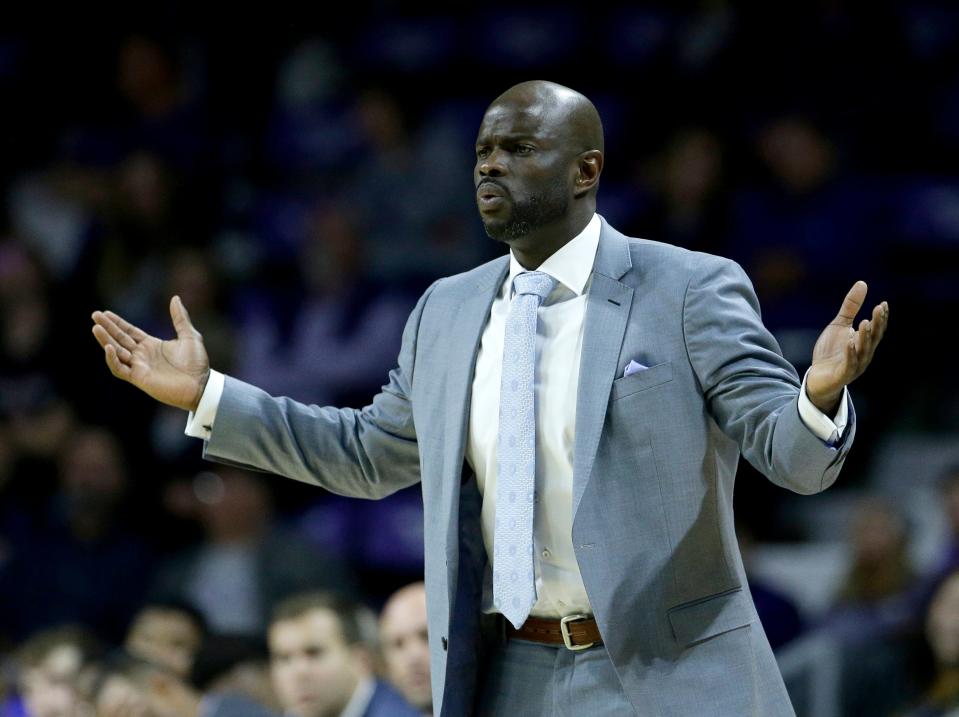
<point x="540" y="244"/>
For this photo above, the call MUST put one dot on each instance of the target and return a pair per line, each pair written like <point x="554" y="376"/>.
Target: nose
<point x="301" y="671"/>
<point x="492" y="166"/>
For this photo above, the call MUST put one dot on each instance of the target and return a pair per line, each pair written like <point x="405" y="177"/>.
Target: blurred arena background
<point x="272" y="174"/>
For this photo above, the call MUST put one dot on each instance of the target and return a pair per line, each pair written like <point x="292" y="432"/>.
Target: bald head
<point x="539" y="155"/>
<point x="404" y="643"/>
<point x="567" y="111"/>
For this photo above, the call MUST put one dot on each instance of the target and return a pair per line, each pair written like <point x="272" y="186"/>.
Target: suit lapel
<point x="466" y="329"/>
<point x="607" y="310"/>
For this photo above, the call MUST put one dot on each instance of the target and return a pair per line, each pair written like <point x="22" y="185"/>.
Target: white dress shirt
<point x="559" y="339"/>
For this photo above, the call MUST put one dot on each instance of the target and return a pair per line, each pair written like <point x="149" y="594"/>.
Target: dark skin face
<point x="538" y="161"/>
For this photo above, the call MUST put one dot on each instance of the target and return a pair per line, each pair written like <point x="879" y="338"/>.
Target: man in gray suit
<point x="577" y="457"/>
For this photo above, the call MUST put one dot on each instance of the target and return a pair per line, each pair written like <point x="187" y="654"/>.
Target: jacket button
<point x="445" y="643"/>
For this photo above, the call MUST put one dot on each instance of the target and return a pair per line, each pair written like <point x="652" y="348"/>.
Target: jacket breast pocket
<point x="641" y="380"/>
<point x="707" y="617"/>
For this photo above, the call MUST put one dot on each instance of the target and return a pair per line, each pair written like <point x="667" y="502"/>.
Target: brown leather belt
<point x="576" y="632"/>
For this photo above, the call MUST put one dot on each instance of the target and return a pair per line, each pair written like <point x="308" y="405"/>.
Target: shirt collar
<point x="572" y="263"/>
<point x="360" y="699"/>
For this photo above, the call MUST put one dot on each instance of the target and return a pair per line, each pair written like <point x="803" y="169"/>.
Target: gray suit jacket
<point x="655" y="459"/>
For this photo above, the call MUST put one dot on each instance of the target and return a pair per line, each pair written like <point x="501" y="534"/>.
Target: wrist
<point x="827" y="404"/>
<point x="201" y="388"/>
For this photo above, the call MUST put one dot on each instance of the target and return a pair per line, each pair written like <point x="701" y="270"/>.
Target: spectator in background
<point x="236" y="665"/>
<point x="870" y="620"/>
<point x="83" y="562"/>
<point x="190" y="271"/>
<point x="34" y="417"/>
<point x="163" y="116"/>
<point x="403" y="642"/>
<point x="49" y="666"/>
<point x="383" y="539"/>
<point x="144" y="170"/>
<point x="686" y="203"/>
<point x="322" y="661"/>
<point x="809" y="221"/>
<point x="923" y="590"/>
<point x="168" y="634"/>
<point x="778" y="612"/>
<point x="10" y="704"/>
<point x="871" y="603"/>
<point x="310" y="134"/>
<point x="409" y="238"/>
<point x="342" y="337"/>
<point x="52" y="211"/>
<point x="942" y="634"/>
<point x="246" y="563"/>
<point x="130" y="687"/>
<point x="949" y="559"/>
<point x="143" y="219"/>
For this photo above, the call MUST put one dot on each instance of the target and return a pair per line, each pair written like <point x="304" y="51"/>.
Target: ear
<point x="589" y="166"/>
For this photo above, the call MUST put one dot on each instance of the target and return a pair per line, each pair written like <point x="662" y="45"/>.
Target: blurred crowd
<point x="298" y="187"/>
<point x="323" y="656"/>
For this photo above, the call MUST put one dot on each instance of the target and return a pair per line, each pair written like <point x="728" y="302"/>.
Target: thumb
<point x="181" y="319"/>
<point x="851" y="304"/>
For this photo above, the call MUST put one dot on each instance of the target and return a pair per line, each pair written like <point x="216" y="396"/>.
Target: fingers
<point x="105" y="339"/>
<point x="870" y="334"/>
<point x="863" y="339"/>
<point x="881" y="312"/>
<point x="118" y="335"/>
<point x="117" y="367"/>
<point x="114" y="335"/>
<point x="136" y="334"/>
<point x="181" y="319"/>
<point x="851" y="304"/>
<point x="880" y="320"/>
<point x="849" y="369"/>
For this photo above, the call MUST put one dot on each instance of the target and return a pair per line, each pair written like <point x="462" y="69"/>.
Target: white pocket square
<point x="632" y="367"/>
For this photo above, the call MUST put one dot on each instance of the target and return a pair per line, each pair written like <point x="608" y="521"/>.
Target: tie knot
<point x="537" y="283"/>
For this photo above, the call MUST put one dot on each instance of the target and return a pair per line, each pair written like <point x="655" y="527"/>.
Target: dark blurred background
<point x="299" y="178"/>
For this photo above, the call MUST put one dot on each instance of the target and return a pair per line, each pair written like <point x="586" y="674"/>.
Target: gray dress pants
<point x="527" y="679"/>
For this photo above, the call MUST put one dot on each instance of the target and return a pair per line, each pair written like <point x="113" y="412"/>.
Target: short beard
<point x="536" y="212"/>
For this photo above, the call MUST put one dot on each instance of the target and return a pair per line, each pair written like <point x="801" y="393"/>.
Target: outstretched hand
<point x="842" y="353"/>
<point x="173" y="372"/>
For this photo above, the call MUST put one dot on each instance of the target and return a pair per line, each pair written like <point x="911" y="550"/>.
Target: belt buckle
<point x="564" y="629"/>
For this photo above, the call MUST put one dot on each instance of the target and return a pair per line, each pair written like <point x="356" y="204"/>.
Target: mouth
<point x="487" y="204"/>
<point x="488" y="190"/>
<point x="490" y="196"/>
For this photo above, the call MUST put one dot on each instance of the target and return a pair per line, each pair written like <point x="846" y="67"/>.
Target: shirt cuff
<point x="827" y="429"/>
<point x="200" y="424"/>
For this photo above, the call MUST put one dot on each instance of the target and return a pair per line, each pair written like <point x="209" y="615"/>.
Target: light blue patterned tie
<point x="514" y="587"/>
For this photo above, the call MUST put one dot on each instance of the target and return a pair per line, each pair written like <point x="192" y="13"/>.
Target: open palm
<point x="173" y="372"/>
<point x="842" y="353"/>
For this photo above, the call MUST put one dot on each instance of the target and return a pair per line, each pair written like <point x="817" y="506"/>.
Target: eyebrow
<point x="510" y="137"/>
